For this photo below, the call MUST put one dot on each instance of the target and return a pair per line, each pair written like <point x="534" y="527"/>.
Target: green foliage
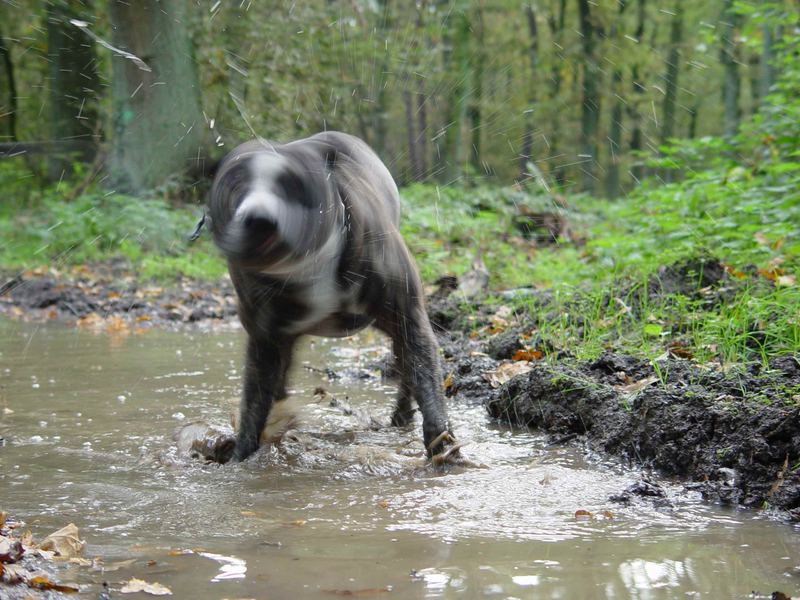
<point x="46" y="230"/>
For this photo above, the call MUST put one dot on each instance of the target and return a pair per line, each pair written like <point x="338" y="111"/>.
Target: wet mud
<point x="730" y="432"/>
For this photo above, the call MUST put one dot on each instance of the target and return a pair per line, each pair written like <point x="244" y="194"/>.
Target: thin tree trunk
<point x="693" y="112"/>
<point x="157" y="122"/>
<point x="411" y="136"/>
<point x="380" y="114"/>
<point x="731" y="83"/>
<point x="615" y="127"/>
<point x="74" y="84"/>
<point x="476" y="94"/>
<point x="533" y="54"/>
<point x="456" y="44"/>
<point x="422" y="99"/>
<point x="556" y="23"/>
<point x="671" y="79"/>
<point x="422" y="128"/>
<point x="9" y="107"/>
<point x="590" y="101"/>
<point x="638" y="89"/>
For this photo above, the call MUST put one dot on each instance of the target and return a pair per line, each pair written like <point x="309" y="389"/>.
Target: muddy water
<point x="340" y="508"/>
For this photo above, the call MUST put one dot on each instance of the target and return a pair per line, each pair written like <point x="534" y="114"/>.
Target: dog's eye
<point x="294" y="189"/>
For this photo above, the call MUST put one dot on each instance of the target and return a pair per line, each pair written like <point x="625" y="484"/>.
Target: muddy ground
<point x="731" y="433"/>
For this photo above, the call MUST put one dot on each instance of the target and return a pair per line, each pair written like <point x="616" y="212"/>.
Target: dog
<point x="310" y="233"/>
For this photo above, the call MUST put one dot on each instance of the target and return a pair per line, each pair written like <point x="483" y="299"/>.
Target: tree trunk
<point x="671" y="78"/>
<point x="556" y="22"/>
<point x="411" y="137"/>
<point x="590" y="101"/>
<point x="74" y="83"/>
<point x="422" y="100"/>
<point x="158" y="126"/>
<point x="456" y="41"/>
<point x="615" y="127"/>
<point x="638" y="89"/>
<point x="8" y="95"/>
<point x="476" y="94"/>
<point x="731" y="83"/>
<point x="380" y="113"/>
<point x="533" y="54"/>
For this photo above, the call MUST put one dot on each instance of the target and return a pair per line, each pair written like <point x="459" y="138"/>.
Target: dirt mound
<point x="735" y="436"/>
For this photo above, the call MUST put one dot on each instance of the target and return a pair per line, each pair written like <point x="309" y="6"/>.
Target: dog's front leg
<point x="264" y="383"/>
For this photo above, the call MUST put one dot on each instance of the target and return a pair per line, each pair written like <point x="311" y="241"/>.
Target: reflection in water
<point x="643" y="577"/>
<point x="343" y="504"/>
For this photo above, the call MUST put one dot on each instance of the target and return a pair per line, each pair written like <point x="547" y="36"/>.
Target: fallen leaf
<point x="138" y="585"/>
<point x="506" y="372"/>
<point x="65" y="542"/>
<point x="383" y="504"/>
<point x="528" y="355"/>
<point x="13" y="574"/>
<point x="10" y="550"/>
<point x="679" y="349"/>
<point x="449" y="381"/>
<point x="733" y="272"/>
<point x="42" y="582"/>
<point x="636" y="386"/>
<point x="583" y="514"/>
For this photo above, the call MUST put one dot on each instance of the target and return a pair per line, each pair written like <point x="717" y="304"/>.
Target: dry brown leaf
<point x="65" y="542"/>
<point x="449" y="381"/>
<point x="583" y="514"/>
<point x="636" y="386"/>
<point x="733" y="272"/>
<point x="42" y="582"/>
<point x="134" y="585"/>
<point x="506" y="372"/>
<point x="528" y="355"/>
<point x="679" y="349"/>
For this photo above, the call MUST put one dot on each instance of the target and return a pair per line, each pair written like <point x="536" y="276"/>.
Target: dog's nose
<point x="259" y="225"/>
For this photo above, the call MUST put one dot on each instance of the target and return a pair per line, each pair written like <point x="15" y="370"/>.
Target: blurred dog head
<point x="273" y="206"/>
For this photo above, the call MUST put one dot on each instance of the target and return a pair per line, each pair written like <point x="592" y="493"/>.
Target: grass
<point x="39" y="228"/>
<point x="598" y="278"/>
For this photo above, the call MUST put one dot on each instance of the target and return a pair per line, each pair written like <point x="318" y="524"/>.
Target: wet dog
<point x="310" y="232"/>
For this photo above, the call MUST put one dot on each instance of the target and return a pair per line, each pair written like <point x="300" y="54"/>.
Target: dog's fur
<point x="310" y="231"/>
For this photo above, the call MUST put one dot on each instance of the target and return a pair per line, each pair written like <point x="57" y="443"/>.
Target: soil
<point x="732" y="434"/>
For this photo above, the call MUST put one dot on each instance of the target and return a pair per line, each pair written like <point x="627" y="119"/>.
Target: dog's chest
<point x="318" y="304"/>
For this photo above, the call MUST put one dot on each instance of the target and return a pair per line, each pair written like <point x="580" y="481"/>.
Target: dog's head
<point x="273" y="205"/>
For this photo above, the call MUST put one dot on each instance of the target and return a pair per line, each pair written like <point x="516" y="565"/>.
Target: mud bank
<point x="731" y="432"/>
<point x="90" y="295"/>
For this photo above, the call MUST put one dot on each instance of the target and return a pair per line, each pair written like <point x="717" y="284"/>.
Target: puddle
<point x="339" y="509"/>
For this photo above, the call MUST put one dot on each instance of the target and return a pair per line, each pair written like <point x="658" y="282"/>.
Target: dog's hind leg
<point x="421" y="377"/>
